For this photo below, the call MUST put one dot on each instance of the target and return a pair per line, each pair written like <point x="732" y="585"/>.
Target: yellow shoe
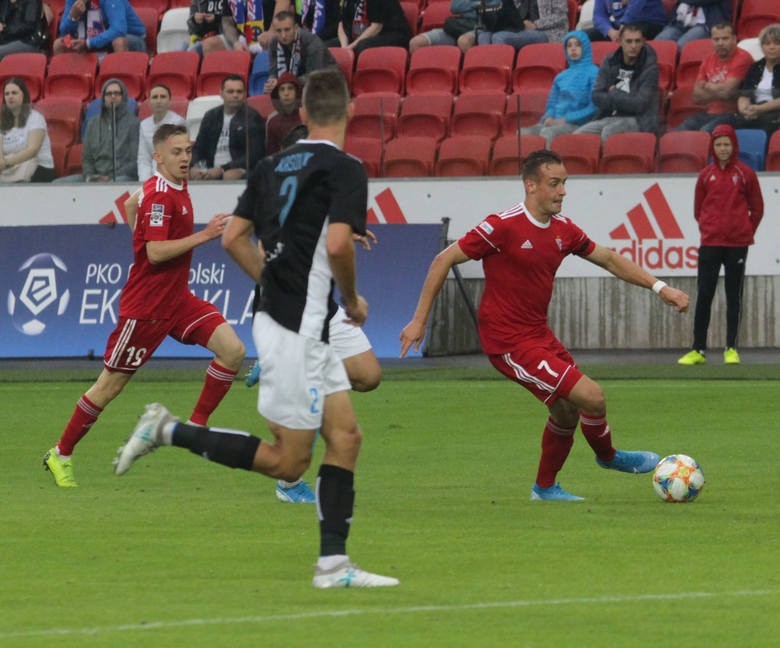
<point x="61" y="469"/>
<point x="730" y="356"/>
<point x="693" y="357"/>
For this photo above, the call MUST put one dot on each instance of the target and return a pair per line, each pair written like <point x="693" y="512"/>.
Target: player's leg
<point x="734" y="267"/>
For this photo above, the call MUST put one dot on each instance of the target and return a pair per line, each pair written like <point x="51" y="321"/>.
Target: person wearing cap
<point x="286" y="97"/>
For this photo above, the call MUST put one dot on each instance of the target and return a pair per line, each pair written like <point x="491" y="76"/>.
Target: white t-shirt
<point x="15" y="140"/>
<point x="764" y="87"/>
<point x="146" y="164"/>
<point x="222" y="154"/>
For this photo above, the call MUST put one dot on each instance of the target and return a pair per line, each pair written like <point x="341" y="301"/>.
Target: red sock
<point x="597" y="432"/>
<point x="218" y="382"/>
<point x="556" y="444"/>
<point x="84" y="416"/>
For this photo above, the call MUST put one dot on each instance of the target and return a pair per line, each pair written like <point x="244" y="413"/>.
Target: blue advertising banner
<point x="61" y="286"/>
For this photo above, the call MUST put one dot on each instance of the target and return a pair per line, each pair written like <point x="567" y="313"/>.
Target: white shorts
<point x="296" y="375"/>
<point x="347" y="340"/>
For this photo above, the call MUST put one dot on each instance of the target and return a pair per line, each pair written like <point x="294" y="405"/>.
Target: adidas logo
<point x="388" y="208"/>
<point x="527" y="245"/>
<point x="660" y="255"/>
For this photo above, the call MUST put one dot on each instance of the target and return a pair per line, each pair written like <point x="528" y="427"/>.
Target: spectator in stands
<point x="719" y="79"/>
<point x="693" y="19"/>
<point x="21" y="27"/>
<point x="570" y="103"/>
<point x="160" y="103"/>
<point x="321" y="18"/>
<point x="100" y="25"/>
<point x="294" y="50"/>
<point x="212" y="27"/>
<point x="463" y="20"/>
<point x="372" y="23"/>
<point x="759" y="103"/>
<point x="626" y="89"/>
<point x="609" y="15"/>
<point x="286" y="97"/>
<point x="231" y="138"/>
<point x="25" y="149"/>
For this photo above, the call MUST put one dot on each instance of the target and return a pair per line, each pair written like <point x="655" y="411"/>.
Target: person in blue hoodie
<point x="609" y="15"/>
<point x="100" y="25"/>
<point x="570" y="103"/>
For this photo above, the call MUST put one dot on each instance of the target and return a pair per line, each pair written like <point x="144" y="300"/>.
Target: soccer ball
<point x="678" y="478"/>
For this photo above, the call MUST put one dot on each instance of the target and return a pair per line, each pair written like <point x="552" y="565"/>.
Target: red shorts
<point x="134" y="341"/>
<point x="547" y="371"/>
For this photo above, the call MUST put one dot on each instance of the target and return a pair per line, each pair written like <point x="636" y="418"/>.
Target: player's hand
<point x="216" y="226"/>
<point x="413" y="334"/>
<point x="366" y="240"/>
<point x="78" y="45"/>
<point x="674" y="297"/>
<point x="357" y="313"/>
<point x="77" y="9"/>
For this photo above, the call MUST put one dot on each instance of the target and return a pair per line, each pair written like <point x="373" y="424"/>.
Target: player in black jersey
<point x="318" y="194"/>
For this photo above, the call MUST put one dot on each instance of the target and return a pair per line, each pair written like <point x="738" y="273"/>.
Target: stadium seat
<point x="177" y="105"/>
<point x="216" y="66"/>
<point x="59" y="153"/>
<point x="580" y="153"/>
<point x="509" y="152"/>
<point x="345" y="58"/>
<point x="375" y="115"/>
<point x="31" y="68"/>
<point x="159" y="6"/>
<point x="752" y="47"/>
<point x="177" y="70"/>
<point x="409" y="157"/>
<point x="180" y="3"/>
<point x="261" y="70"/>
<point x="63" y="118"/>
<point x="537" y="65"/>
<point x="691" y="57"/>
<point x="755" y="15"/>
<point x="412" y="15"/>
<point x="666" y="52"/>
<point x="368" y="150"/>
<point x="683" y="151"/>
<point x="262" y="103"/>
<point x="196" y="109"/>
<point x="773" y="152"/>
<point x="174" y="35"/>
<point x="585" y="20"/>
<point x="629" y="153"/>
<point x="573" y="8"/>
<point x="487" y="68"/>
<point x="425" y="116"/>
<point x="602" y="49"/>
<point x="434" y="15"/>
<point x="752" y="147"/>
<point x="463" y="155"/>
<point x="73" y="160"/>
<point x="71" y="75"/>
<point x="129" y="67"/>
<point x="478" y="114"/>
<point x="380" y="69"/>
<point x="682" y="106"/>
<point x="434" y="69"/>
<point x="151" y="20"/>
<point x="532" y="104"/>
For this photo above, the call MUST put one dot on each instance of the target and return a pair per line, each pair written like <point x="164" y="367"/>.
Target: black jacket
<point x="211" y="127"/>
<point x="22" y="20"/>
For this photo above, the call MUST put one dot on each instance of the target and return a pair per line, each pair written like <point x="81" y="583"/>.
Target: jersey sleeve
<point x="349" y="190"/>
<point x="154" y="215"/>
<point x="484" y="239"/>
<point x="579" y="242"/>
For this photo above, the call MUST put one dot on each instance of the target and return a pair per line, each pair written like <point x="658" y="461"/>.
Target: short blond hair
<point x="770" y="33"/>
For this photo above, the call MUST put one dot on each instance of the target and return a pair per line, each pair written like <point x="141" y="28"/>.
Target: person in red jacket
<point x="728" y="207"/>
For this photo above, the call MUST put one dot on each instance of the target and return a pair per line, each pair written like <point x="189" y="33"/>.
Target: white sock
<point x="60" y="455"/>
<point x="329" y="562"/>
<point x="286" y="484"/>
<point x="167" y="433"/>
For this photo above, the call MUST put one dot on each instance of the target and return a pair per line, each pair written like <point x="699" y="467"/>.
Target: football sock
<point x="231" y="448"/>
<point x="597" y="432"/>
<point x="556" y="444"/>
<point x="218" y="382"/>
<point x="84" y="416"/>
<point x="335" y="499"/>
<point x="286" y="484"/>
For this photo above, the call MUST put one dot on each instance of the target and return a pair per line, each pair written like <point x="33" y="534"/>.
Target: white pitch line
<point x="162" y="625"/>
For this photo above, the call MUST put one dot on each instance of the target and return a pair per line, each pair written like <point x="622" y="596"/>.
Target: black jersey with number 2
<point x="291" y="197"/>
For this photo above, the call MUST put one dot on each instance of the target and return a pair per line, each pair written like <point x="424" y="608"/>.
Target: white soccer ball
<point x="678" y="478"/>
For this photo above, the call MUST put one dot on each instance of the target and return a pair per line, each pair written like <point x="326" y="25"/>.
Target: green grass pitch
<point x="182" y="552"/>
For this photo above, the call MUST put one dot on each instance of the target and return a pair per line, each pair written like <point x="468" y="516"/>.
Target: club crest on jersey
<point x="156" y="217"/>
<point x="559" y="243"/>
<point x="486" y="227"/>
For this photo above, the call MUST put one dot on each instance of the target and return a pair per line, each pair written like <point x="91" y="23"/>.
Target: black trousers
<point x="711" y="258"/>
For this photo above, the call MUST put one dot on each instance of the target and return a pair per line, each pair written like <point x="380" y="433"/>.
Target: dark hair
<point x="163" y="86"/>
<point x="284" y="15"/>
<point x="7" y="119"/>
<point x="325" y="96"/>
<point x="168" y="130"/>
<point x="535" y="160"/>
<point x="724" y="24"/>
<point x="233" y="77"/>
<point x="634" y="27"/>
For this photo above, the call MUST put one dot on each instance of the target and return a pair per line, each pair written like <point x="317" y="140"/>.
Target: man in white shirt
<point x="160" y="103"/>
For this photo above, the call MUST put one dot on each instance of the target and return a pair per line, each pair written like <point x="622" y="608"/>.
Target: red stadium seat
<point x="434" y="15"/>
<point x="159" y="6"/>
<point x="129" y="67"/>
<point x="755" y="15"/>
<point x="580" y="153"/>
<point x="59" y="153"/>
<point x="409" y="157"/>
<point x="177" y="70"/>
<point x="463" y="155"/>
<point x="773" y="152"/>
<point x="412" y="15"/>
<point x="380" y="69"/>
<point x="629" y="153"/>
<point x="177" y="105"/>
<point x="151" y="20"/>
<point x="63" y="118"/>
<point x="345" y="58"/>
<point x="537" y="65"/>
<point x="509" y="152"/>
<point x="683" y="151"/>
<point x="262" y="104"/>
<point x="434" y="69"/>
<point x="425" y="116"/>
<point x="666" y="52"/>
<point x="368" y="151"/>
<point x="532" y="104"/>
<point x="573" y="10"/>
<point x="487" y="68"/>
<point x="71" y="75"/>
<point x="691" y="57"/>
<point x="73" y="160"/>
<point x="31" y="68"/>
<point x="602" y="49"/>
<point x="682" y="106"/>
<point x="374" y="116"/>
<point x="478" y="114"/>
<point x="216" y="66"/>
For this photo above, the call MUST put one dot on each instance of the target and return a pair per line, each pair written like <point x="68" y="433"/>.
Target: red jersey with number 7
<point x="155" y="291"/>
<point x="520" y="257"/>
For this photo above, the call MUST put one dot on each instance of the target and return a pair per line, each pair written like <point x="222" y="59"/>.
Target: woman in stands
<point x="759" y="103"/>
<point x="26" y="149"/>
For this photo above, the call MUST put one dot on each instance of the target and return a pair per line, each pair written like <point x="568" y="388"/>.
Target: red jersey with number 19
<point x="520" y="257"/>
<point x="155" y="291"/>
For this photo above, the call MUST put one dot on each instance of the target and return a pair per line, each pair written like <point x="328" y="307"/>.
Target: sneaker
<point x="146" y="437"/>
<point x="637" y="462"/>
<point x="348" y="575"/>
<point x="298" y="494"/>
<point x="730" y="356"/>
<point x="61" y="469"/>
<point x="253" y="375"/>
<point x="553" y="493"/>
<point x="691" y="358"/>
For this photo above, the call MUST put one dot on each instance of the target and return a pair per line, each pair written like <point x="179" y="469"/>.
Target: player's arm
<point x="625" y="269"/>
<point x="162" y="251"/>
<point x="414" y="331"/>
<point x="131" y="208"/>
<point x="341" y="256"/>
<point x="237" y="240"/>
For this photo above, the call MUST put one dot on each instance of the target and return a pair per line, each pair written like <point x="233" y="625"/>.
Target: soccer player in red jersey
<point x="156" y="301"/>
<point x="521" y="250"/>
